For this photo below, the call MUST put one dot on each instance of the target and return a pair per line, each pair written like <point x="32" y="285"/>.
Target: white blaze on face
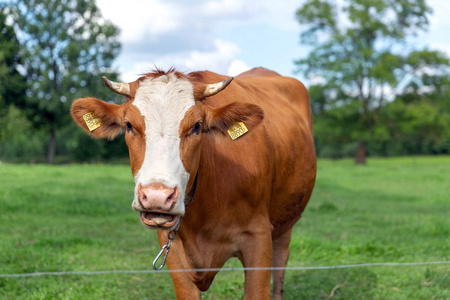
<point x="163" y="102"/>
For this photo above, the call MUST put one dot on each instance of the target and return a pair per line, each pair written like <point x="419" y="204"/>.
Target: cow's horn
<point x="117" y="87"/>
<point x="214" y="88"/>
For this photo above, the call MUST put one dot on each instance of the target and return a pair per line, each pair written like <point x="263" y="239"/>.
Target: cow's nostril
<point x="142" y="197"/>
<point x="172" y="196"/>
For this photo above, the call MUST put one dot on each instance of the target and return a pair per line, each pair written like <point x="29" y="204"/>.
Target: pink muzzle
<point x="157" y="197"/>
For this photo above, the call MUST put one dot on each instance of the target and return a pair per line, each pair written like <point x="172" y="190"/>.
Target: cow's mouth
<point x="158" y="220"/>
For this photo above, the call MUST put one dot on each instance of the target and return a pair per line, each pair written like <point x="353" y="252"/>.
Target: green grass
<point x="78" y="218"/>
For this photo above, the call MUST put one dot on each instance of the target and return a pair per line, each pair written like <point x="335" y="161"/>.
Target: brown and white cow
<point x="249" y="191"/>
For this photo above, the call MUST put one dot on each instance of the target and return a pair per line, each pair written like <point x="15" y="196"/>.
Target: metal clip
<point x="170" y="236"/>
<point x="163" y="262"/>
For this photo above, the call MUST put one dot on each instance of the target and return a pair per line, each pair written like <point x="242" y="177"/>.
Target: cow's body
<point x="250" y="191"/>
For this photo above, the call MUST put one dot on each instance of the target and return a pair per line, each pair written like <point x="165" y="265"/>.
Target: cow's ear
<point x="98" y="118"/>
<point x="223" y="118"/>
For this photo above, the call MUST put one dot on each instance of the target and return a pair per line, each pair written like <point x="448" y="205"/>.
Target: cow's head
<point x="164" y="120"/>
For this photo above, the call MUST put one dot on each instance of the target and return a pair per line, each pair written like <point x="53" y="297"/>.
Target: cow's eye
<point x="197" y="127"/>
<point x="129" y="127"/>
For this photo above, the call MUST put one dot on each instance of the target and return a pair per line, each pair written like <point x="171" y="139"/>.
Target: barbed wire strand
<point x="218" y="269"/>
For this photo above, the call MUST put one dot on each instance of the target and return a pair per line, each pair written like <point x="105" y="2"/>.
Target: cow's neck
<point x="205" y="212"/>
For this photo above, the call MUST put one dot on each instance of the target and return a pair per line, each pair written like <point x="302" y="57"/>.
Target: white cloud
<point x="187" y="34"/>
<point x="279" y="14"/>
<point x="437" y="36"/>
<point x="139" y="19"/>
<point x="221" y="59"/>
<point x="237" y="67"/>
<point x="439" y="18"/>
<point x="200" y="34"/>
<point x="440" y="47"/>
<point x="223" y="8"/>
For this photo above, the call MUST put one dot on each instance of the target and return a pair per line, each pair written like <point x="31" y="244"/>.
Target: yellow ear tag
<point x="91" y="121"/>
<point x="236" y="130"/>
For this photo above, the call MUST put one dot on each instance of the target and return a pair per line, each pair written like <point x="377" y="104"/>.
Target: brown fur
<point x="109" y="114"/>
<point x="223" y="117"/>
<point x="250" y="191"/>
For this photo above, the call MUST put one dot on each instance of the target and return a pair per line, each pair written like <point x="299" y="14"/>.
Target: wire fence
<point x="67" y="273"/>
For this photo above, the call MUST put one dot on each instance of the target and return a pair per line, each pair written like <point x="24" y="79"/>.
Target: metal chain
<point x="166" y="248"/>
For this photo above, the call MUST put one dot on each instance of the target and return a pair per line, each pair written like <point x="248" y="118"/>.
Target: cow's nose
<point x="157" y="197"/>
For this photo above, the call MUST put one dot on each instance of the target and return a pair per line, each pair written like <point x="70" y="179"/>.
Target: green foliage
<point x="12" y="83"/>
<point x="82" y="148"/>
<point x="422" y="126"/>
<point x="78" y="218"/>
<point x="361" y="60"/>
<point x="18" y="142"/>
<point x="69" y="46"/>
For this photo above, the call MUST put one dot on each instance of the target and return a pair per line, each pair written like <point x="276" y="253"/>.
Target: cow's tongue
<point x="158" y="218"/>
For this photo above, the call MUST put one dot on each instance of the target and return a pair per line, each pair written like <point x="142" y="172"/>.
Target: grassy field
<point x="78" y="218"/>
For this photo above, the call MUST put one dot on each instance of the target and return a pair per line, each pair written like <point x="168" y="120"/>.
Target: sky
<point x="225" y="36"/>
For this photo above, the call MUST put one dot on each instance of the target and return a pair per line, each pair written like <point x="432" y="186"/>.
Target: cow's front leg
<point x="280" y="258"/>
<point x="257" y="253"/>
<point x="182" y="284"/>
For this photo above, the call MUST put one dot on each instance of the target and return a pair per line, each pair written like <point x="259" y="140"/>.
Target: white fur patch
<point x="163" y="102"/>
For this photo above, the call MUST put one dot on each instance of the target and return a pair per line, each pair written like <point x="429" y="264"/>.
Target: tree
<point x="12" y="83"/>
<point x="420" y="117"/>
<point x="13" y="123"/>
<point x="70" y="45"/>
<point x="362" y="60"/>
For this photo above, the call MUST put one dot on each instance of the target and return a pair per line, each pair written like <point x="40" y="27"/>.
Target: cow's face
<point x="163" y="124"/>
<point x="163" y="137"/>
